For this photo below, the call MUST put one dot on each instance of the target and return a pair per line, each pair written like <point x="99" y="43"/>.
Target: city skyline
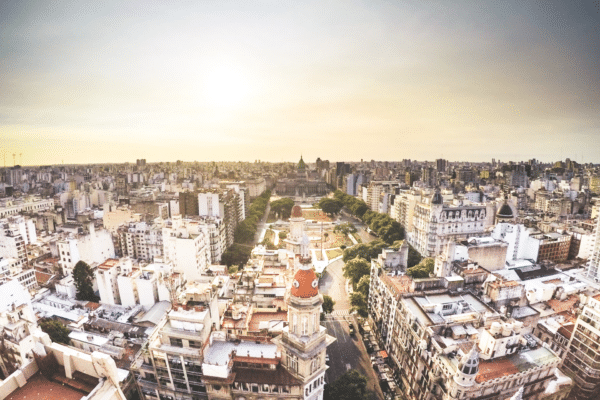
<point x="87" y="83"/>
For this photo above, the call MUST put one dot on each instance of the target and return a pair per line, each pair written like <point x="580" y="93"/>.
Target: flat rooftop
<point x="40" y="388"/>
<point x="218" y="353"/>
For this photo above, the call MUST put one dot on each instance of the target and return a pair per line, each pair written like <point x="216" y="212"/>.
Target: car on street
<point x="351" y="329"/>
<point x="326" y="358"/>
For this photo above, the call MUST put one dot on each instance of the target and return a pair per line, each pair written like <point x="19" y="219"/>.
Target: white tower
<point x="465" y="374"/>
<point x="304" y="341"/>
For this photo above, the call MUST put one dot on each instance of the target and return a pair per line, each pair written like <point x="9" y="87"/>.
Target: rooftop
<point x="40" y="388"/>
<point x="513" y="364"/>
<point x="218" y="353"/>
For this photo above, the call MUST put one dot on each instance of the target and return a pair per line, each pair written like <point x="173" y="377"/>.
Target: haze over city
<point x="96" y="82"/>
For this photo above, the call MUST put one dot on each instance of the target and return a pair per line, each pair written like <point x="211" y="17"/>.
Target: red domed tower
<point x="304" y="341"/>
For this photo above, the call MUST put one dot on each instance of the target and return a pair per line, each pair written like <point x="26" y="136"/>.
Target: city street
<point x="262" y="224"/>
<point x="348" y="352"/>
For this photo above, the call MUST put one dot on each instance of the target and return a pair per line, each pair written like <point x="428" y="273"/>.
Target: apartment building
<point x="582" y="361"/>
<point x="451" y="345"/>
<point x="91" y="246"/>
<point x="435" y="223"/>
<point x="171" y="365"/>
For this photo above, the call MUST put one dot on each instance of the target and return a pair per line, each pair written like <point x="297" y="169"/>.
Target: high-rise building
<point x="581" y="362"/>
<point x="593" y="270"/>
<point x="441" y="164"/>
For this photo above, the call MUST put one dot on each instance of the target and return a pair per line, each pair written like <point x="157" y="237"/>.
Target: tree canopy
<point x="56" y="330"/>
<point x="356" y="269"/>
<point x="422" y="270"/>
<point x="246" y="230"/>
<point x="82" y="275"/>
<point x="282" y="207"/>
<point x="236" y="254"/>
<point x="328" y="304"/>
<point x="330" y="206"/>
<point x="367" y="251"/>
<point x="345" y="228"/>
<point x="381" y="224"/>
<point x="350" y="386"/>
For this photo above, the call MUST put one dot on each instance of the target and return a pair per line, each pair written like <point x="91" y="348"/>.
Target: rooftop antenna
<point x="14" y="162"/>
<point x="21" y="155"/>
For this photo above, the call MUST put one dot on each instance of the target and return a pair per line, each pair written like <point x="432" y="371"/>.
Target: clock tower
<point x="304" y="341"/>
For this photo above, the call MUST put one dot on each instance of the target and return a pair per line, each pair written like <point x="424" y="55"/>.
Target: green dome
<point x="301" y="164"/>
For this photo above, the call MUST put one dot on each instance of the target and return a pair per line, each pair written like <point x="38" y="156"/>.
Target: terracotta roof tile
<point x="279" y="376"/>
<point x="495" y="368"/>
<point x="303" y="284"/>
<point x="563" y="305"/>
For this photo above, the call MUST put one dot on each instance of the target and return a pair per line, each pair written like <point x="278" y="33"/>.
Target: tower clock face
<point x="296" y="283"/>
<point x="315" y="283"/>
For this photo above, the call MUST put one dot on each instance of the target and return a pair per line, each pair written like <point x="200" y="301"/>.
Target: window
<point x="305" y="325"/>
<point x="294" y="323"/>
<point x="292" y="362"/>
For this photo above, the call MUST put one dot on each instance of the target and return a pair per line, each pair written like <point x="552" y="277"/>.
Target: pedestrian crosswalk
<point x="340" y="312"/>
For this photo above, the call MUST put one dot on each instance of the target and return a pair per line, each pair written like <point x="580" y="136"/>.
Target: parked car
<point x="351" y="329"/>
<point x="326" y="358"/>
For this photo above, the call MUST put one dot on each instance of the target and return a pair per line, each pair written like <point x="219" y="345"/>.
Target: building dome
<point x="505" y="212"/>
<point x="296" y="212"/>
<point x="301" y="164"/>
<point x="305" y="284"/>
<point x="469" y="364"/>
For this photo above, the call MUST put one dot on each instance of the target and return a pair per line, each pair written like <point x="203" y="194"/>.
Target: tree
<point x="330" y="206"/>
<point x="236" y="254"/>
<point x="82" y="275"/>
<point x="350" y="386"/>
<point x="328" y="304"/>
<point x="282" y="235"/>
<point x="358" y="303"/>
<point x="360" y="250"/>
<point x="56" y="330"/>
<point x="345" y="228"/>
<point x="363" y="286"/>
<point x="282" y="207"/>
<point x="422" y="270"/>
<point x="356" y="269"/>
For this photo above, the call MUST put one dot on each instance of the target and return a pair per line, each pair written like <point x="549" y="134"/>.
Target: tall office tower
<point x="441" y="164"/>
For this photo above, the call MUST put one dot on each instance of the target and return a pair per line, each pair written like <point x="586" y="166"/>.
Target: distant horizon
<point x="308" y="161"/>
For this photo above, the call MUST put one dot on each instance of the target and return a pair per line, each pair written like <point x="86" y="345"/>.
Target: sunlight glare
<point x="225" y="87"/>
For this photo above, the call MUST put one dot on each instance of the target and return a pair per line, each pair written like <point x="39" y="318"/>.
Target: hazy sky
<point x="385" y="80"/>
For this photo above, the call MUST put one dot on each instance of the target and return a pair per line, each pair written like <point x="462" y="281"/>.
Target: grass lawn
<point x="337" y="240"/>
<point x="333" y="253"/>
<point x="270" y="235"/>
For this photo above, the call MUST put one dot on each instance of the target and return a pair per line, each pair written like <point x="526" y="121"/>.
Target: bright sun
<point x="225" y="87"/>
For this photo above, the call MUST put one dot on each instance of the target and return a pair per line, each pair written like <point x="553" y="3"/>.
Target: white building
<point x="107" y="277"/>
<point x="521" y="246"/>
<point x="435" y="223"/>
<point x="186" y="248"/>
<point x="15" y="206"/>
<point x="95" y="246"/>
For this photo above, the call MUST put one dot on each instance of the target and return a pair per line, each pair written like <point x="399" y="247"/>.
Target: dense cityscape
<point x="308" y="280"/>
<point x="306" y="200"/>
